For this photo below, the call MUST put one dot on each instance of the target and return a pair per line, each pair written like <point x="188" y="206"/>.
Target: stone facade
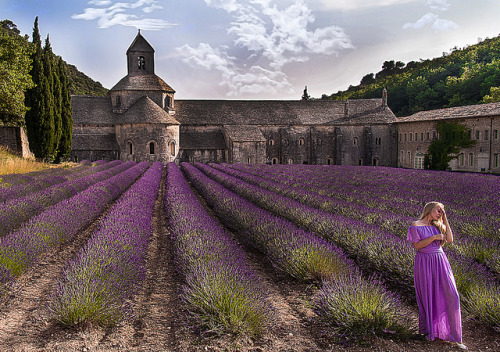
<point x="416" y="132"/>
<point x="16" y="140"/>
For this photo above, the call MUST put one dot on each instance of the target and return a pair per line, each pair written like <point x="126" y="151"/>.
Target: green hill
<point x="81" y="84"/>
<point x="463" y="76"/>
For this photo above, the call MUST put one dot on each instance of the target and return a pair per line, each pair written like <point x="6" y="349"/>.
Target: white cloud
<point x="237" y="80"/>
<point x="441" y="5"/>
<point x="121" y="13"/>
<point x="277" y="35"/>
<point x="442" y="25"/>
<point x="347" y="5"/>
<point x="437" y="24"/>
<point x="425" y="20"/>
<point x="152" y="8"/>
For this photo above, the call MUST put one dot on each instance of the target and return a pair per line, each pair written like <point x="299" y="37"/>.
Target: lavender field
<point x="137" y="256"/>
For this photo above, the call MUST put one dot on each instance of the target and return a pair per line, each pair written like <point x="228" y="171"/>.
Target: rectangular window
<point x="461" y="159"/>
<point x="470" y="134"/>
<point x="402" y="157"/>
<point x="416" y="136"/>
<point x="471" y="159"/>
<point x="477" y="135"/>
<point x="428" y="136"/>
<point x="409" y="158"/>
<point x="495" y="160"/>
<point x="486" y="135"/>
<point x="405" y="136"/>
<point x="411" y="137"/>
<point x="422" y="136"/>
<point x="400" y="137"/>
<point x="495" y="134"/>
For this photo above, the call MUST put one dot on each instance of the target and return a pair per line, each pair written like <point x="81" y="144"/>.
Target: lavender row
<point x="304" y="256"/>
<point x="402" y="192"/>
<point x="17" y="211"/>
<point x="59" y="223"/>
<point x="223" y="292"/>
<point x="373" y="249"/>
<point x="483" y="250"/>
<point x="52" y="179"/>
<point x="110" y="268"/>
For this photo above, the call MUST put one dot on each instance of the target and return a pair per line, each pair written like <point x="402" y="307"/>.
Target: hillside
<point x="464" y="76"/>
<point x="81" y="84"/>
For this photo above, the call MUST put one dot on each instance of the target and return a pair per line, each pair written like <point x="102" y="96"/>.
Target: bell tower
<point x="140" y="57"/>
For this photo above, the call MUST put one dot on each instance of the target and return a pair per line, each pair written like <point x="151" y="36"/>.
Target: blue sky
<point x="255" y="49"/>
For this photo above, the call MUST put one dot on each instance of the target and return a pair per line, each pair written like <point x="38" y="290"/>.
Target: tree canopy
<point x="466" y="76"/>
<point x="15" y="64"/>
<point x="452" y="137"/>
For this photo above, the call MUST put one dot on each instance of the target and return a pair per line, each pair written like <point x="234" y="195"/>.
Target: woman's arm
<point x="425" y="242"/>
<point x="449" y="234"/>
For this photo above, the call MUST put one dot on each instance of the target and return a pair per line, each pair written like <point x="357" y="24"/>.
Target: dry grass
<point x="13" y="164"/>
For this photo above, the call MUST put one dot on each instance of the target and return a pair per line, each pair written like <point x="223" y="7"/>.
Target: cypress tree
<point x="33" y="96"/>
<point x="51" y="72"/>
<point x="66" y="114"/>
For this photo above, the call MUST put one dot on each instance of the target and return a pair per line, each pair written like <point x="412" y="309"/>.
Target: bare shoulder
<point x="417" y="223"/>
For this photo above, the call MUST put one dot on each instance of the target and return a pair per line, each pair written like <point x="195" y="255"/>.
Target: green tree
<point x="15" y="64"/>
<point x="40" y="117"/>
<point x="453" y="136"/>
<point x="493" y="97"/>
<point x="66" y="114"/>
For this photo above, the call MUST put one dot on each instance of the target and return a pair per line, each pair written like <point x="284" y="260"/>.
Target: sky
<point x="254" y="49"/>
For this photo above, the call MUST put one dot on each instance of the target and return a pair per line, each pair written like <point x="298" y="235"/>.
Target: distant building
<point x="141" y="120"/>
<point x="416" y="132"/>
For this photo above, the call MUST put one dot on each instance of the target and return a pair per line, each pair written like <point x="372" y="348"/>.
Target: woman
<point x="437" y="296"/>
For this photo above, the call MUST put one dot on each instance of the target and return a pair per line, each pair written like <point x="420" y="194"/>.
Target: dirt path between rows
<point x="24" y="319"/>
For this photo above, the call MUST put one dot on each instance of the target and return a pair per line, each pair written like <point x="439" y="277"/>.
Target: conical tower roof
<point x="140" y="44"/>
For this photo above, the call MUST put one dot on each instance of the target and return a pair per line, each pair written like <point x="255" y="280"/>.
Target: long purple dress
<point x="437" y="296"/>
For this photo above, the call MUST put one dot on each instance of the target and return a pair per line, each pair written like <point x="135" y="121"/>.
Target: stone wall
<point x="415" y="137"/>
<point x="16" y="140"/>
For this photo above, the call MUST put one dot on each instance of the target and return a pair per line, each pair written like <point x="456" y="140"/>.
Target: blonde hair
<point x="436" y="223"/>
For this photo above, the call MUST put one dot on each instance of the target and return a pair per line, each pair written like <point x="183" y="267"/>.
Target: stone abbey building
<point x="140" y="119"/>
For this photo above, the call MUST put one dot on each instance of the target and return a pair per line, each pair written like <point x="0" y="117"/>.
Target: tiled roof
<point x="283" y="112"/>
<point x="202" y="140"/>
<point x="244" y="133"/>
<point x="143" y="82"/>
<point x="94" y="142"/>
<point x="480" y="110"/>
<point x="146" y="111"/>
<point x="92" y="110"/>
<point x="140" y="44"/>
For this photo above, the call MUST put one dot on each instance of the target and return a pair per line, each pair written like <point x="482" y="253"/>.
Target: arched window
<point x="141" y="63"/>
<point x="375" y="161"/>
<point x="249" y="160"/>
<point x="130" y="148"/>
<point x="290" y="161"/>
<point x="271" y="142"/>
<point x="275" y="161"/>
<point x="151" y="147"/>
<point x="301" y="141"/>
<point x="330" y="161"/>
<point x="172" y="148"/>
<point x="118" y="100"/>
<point x="360" y="161"/>
<point x="319" y="141"/>
<point x="355" y="141"/>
